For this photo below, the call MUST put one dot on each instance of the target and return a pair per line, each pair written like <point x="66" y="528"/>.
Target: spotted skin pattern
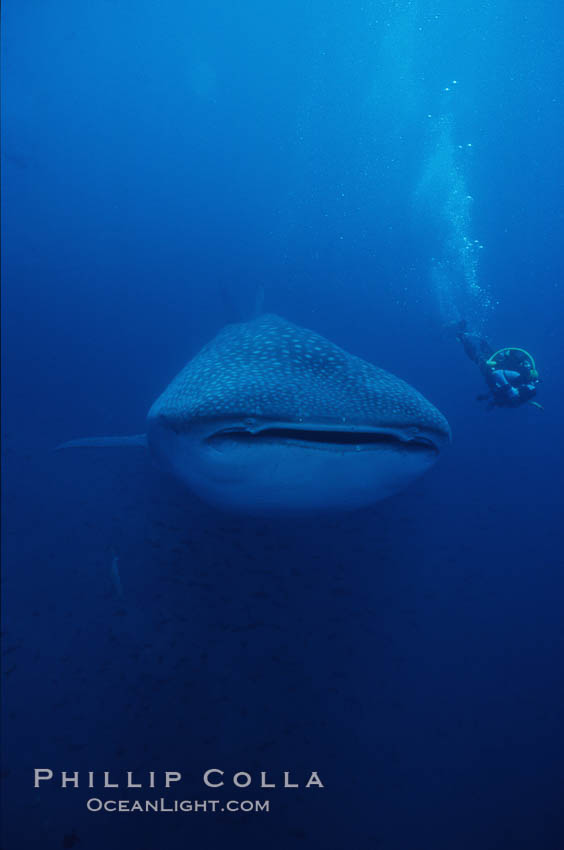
<point x="270" y="370"/>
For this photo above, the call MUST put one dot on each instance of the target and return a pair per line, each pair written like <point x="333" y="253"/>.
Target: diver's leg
<point x="470" y="343"/>
<point x="477" y="348"/>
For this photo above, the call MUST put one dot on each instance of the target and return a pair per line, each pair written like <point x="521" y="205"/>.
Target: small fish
<point x="116" y="579"/>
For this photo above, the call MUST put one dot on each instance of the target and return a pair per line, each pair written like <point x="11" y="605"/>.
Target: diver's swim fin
<point x="105" y="442"/>
<point x="536" y="404"/>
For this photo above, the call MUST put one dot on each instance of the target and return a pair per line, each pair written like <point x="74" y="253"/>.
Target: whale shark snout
<point x="272" y="418"/>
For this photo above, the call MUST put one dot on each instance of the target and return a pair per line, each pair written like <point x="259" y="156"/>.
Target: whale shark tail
<point x="105" y="442"/>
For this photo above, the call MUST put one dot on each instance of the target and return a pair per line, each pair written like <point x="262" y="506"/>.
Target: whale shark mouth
<point x="340" y="439"/>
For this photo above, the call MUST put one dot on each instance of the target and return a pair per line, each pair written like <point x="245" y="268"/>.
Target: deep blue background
<point x="160" y="163"/>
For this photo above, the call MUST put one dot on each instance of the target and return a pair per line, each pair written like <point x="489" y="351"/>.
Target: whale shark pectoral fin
<point x="105" y="442"/>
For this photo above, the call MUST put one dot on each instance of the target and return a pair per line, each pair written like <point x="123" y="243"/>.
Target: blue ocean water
<point x="372" y="171"/>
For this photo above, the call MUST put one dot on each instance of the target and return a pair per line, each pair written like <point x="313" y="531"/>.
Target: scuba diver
<point x="510" y="373"/>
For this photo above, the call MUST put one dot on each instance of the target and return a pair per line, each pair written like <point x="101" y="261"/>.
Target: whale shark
<point x="270" y="417"/>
